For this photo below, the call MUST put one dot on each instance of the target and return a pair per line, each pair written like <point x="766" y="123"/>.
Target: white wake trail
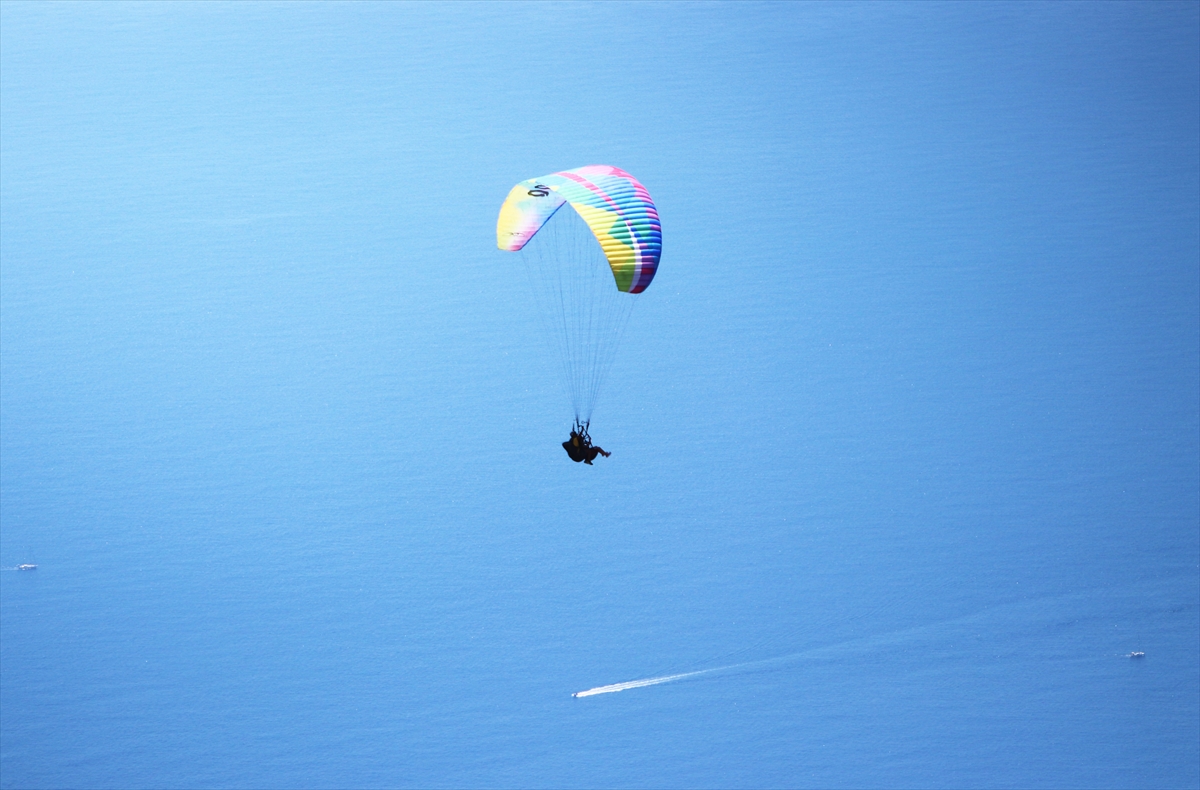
<point x="634" y="684"/>
<point x="763" y="663"/>
<point x="895" y="637"/>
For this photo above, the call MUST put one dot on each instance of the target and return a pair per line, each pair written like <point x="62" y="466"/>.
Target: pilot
<point x="580" y="448"/>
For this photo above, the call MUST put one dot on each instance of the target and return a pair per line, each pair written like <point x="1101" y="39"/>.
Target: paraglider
<point x="585" y="268"/>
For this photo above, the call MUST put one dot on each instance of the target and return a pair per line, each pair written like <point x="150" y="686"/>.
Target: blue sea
<point x="905" y="434"/>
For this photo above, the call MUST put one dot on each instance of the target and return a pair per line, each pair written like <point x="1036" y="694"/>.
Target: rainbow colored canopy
<point x="613" y="203"/>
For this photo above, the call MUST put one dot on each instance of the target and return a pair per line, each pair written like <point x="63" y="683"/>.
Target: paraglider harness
<point x="579" y="447"/>
<point x="581" y="430"/>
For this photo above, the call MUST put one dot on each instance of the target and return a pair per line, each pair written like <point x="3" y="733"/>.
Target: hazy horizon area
<point x="905" y="433"/>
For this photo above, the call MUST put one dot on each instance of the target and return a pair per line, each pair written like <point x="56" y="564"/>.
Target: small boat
<point x="1137" y="654"/>
<point x="27" y="566"/>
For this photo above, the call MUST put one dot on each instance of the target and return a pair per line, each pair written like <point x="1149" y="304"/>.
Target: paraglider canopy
<point x="614" y="204"/>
